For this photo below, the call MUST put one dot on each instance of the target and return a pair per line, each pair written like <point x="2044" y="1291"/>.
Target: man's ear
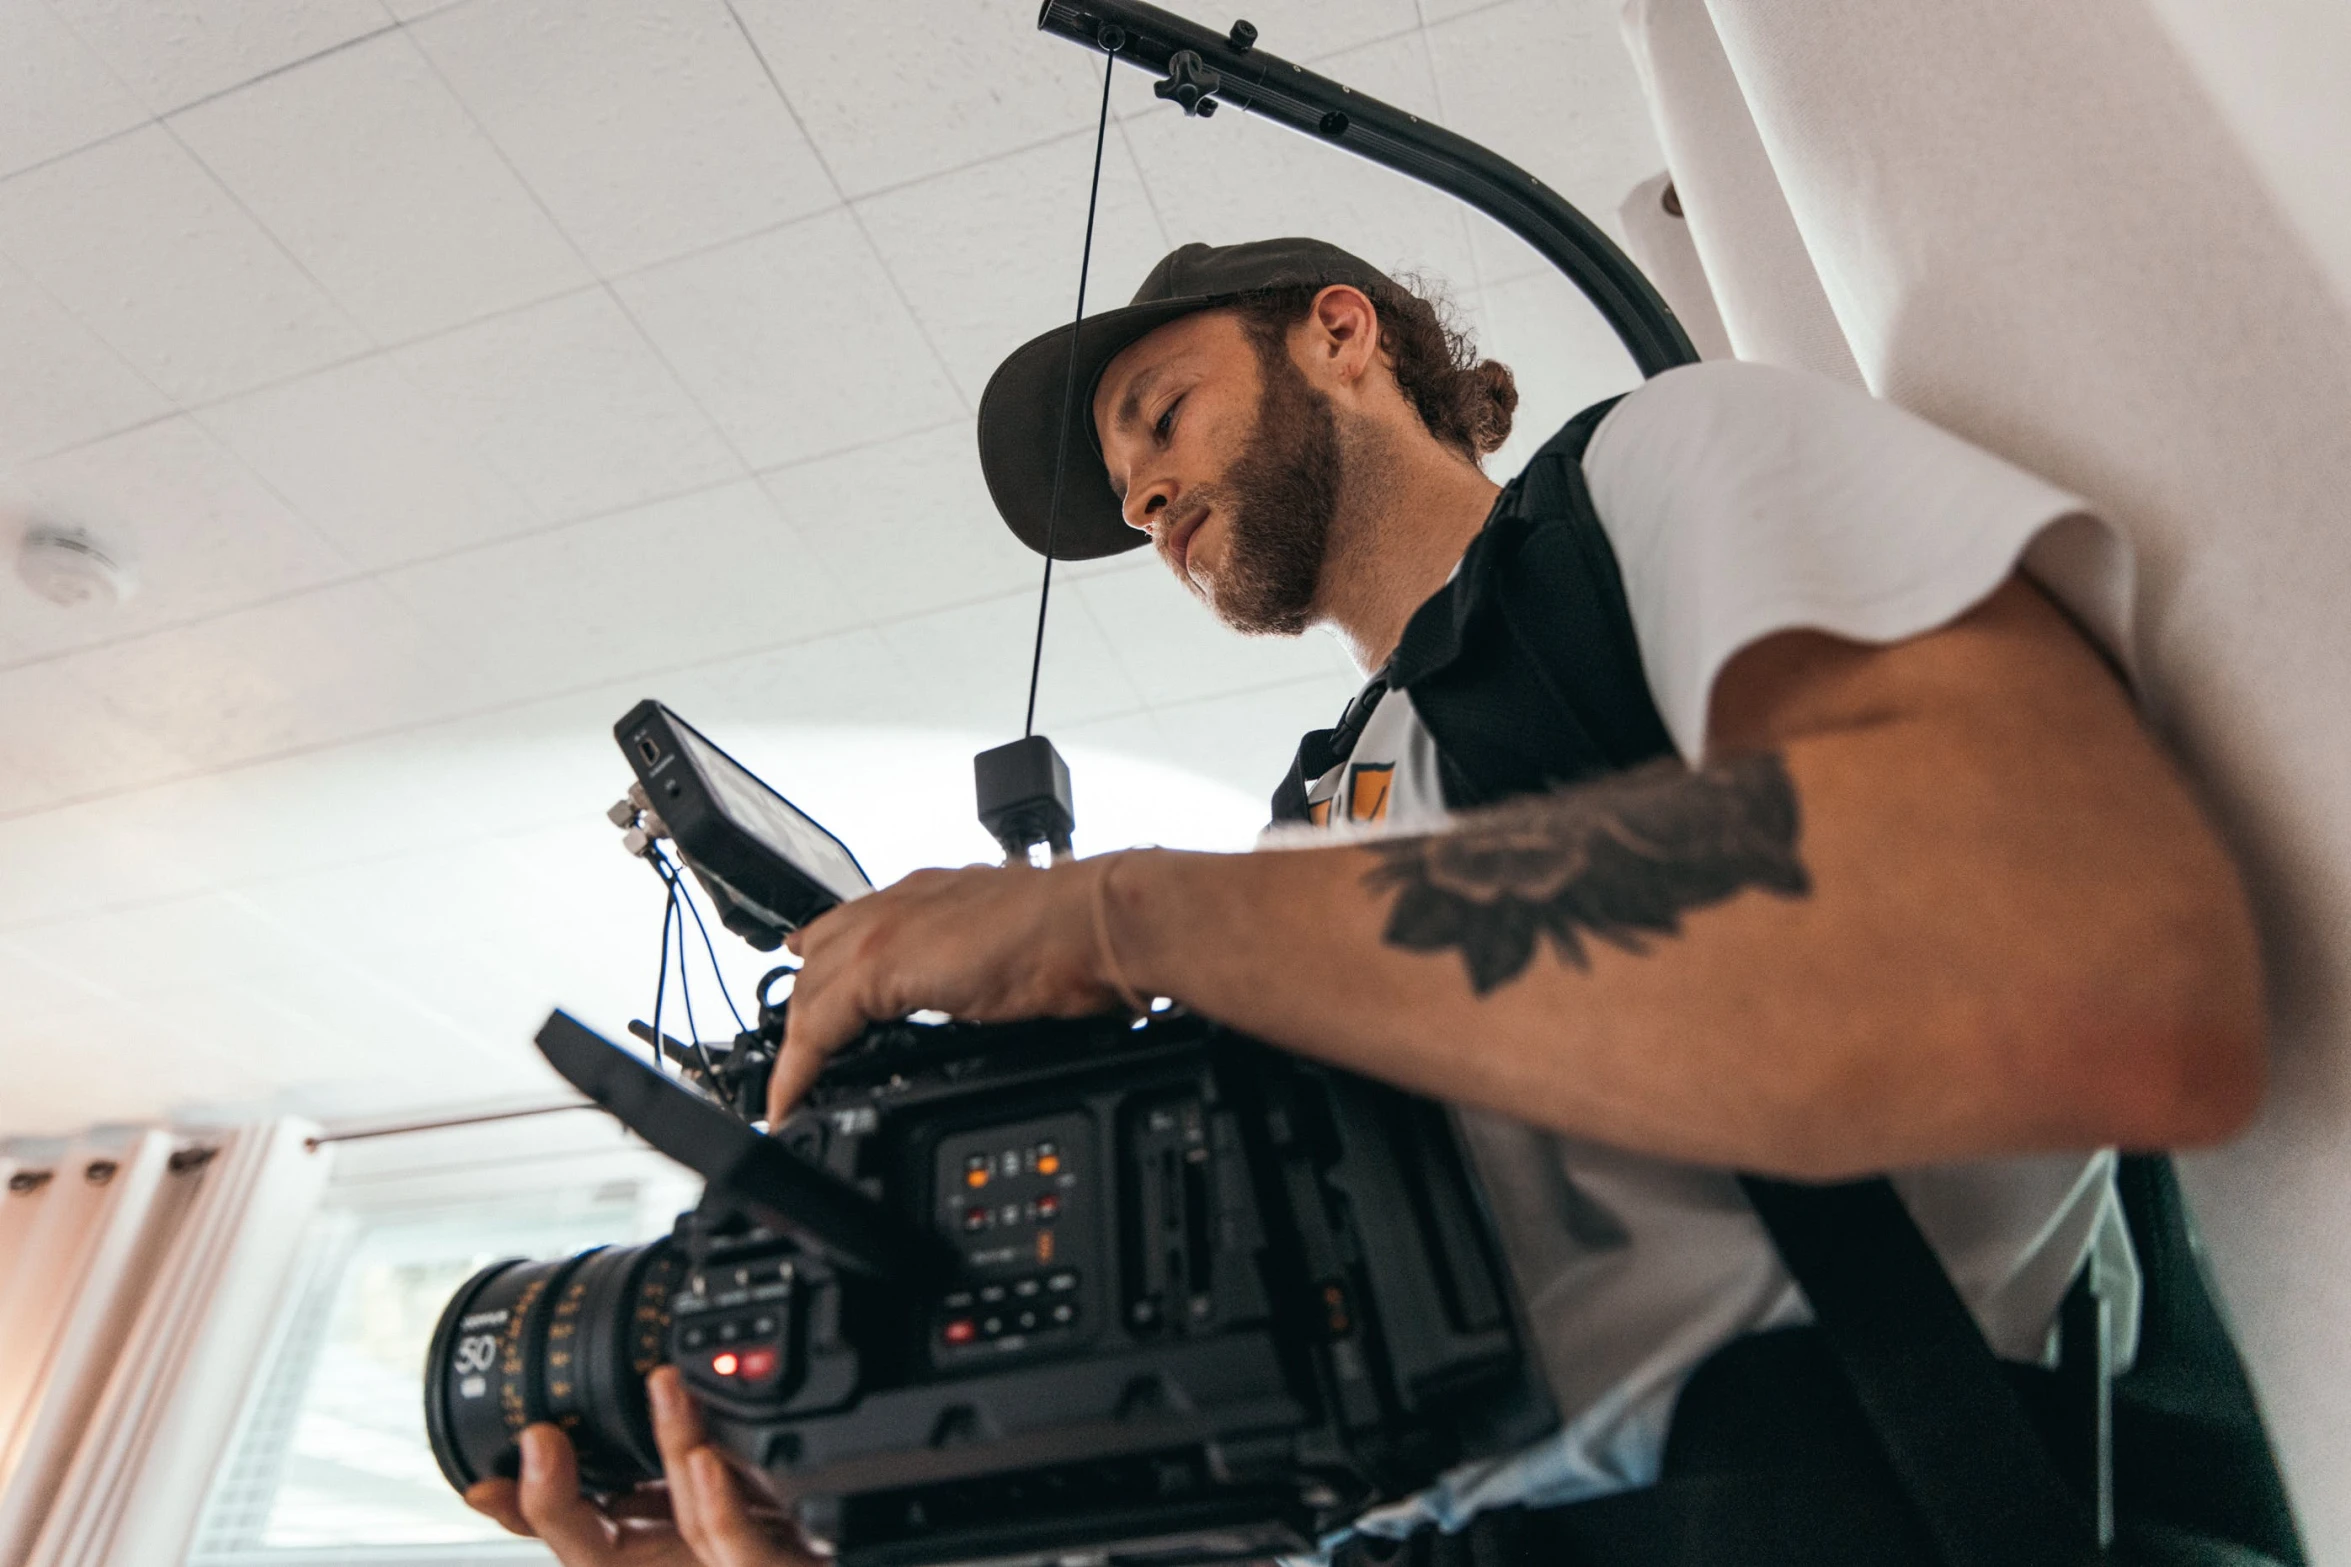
<point x="1345" y="330"/>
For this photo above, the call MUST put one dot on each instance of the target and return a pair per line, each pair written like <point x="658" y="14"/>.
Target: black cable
<point x="725" y="994"/>
<point x="679" y="892"/>
<point x="1069" y="393"/>
<point x="669" y="911"/>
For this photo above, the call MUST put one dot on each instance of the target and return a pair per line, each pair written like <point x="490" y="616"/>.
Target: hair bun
<point x="1490" y="399"/>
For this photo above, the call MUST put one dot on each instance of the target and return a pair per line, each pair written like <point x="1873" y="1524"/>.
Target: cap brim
<point x="1025" y="427"/>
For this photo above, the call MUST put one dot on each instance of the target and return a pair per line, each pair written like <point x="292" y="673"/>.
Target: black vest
<point x="1527" y="673"/>
<point x="1524" y="668"/>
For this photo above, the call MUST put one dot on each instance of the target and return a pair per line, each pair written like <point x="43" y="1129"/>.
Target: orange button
<point x="1044" y="1245"/>
<point x="1048" y="1164"/>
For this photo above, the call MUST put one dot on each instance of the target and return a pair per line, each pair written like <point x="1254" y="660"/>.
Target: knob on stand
<point x="1024" y="798"/>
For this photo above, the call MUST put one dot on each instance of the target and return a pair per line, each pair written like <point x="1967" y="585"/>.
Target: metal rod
<point x="435" y="1126"/>
<point x="1257" y="83"/>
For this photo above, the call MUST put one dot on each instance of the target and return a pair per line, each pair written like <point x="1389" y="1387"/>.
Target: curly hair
<point x="1466" y="402"/>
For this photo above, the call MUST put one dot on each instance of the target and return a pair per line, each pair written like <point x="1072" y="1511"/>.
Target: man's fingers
<point x="723" y="1532"/>
<point x="497" y="1499"/>
<point x="552" y="1504"/>
<point x="677" y="1419"/>
<point x="705" y="1496"/>
<point x="796" y="1068"/>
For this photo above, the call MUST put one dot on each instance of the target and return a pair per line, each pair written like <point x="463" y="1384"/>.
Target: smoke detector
<point x="66" y="566"/>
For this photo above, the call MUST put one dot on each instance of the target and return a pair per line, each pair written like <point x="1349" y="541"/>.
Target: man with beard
<point x="1730" y="792"/>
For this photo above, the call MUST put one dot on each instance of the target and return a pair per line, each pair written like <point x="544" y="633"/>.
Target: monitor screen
<point x="771" y="818"/>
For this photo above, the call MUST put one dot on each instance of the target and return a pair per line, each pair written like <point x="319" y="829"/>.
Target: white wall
<point x="2112" y="240"/>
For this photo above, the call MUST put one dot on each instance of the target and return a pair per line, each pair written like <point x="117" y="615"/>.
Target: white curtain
<point x="80" y="1234"/>
<point x="143" y="1276"/>
<point x="2111" y="239"/>
<point x="1657" y="233"/>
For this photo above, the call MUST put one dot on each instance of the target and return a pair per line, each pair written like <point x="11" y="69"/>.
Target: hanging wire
<point x="1069" y="392"/>
<point x="680" y="893"/>
<point x="725" y="994"/>
<point x="669" y="912"/>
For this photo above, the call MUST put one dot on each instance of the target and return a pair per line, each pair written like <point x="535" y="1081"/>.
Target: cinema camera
<point x="1111" y="1289"/>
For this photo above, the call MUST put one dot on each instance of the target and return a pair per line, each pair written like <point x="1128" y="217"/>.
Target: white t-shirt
<point x="1743" y="500"/>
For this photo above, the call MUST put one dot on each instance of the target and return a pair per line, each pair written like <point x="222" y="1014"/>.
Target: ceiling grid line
<point x="360" y="574"/>
<point x="513" y="704"/>
<point x="571" y="241"/>
<point x="938" y="359"/>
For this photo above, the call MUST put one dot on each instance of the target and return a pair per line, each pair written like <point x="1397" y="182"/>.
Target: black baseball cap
<point x="1023" y="425"/>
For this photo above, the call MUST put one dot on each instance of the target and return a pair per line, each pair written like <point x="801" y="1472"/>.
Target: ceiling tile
<point x="794" y="340"/>
<point x="905" y="525"/>
<point x="648" y="129"/>
<point x="1562" y="354"/>
<point x="227" y="312"/>
<point x="676" y="583"/>
<point x="1309" y="32"/>
<point x="952" y="84"/>
<point x="173" y="52"/>
<point x="1012" y="271"/>
<point x="63" y="386"/>
<point x="372" y="463"/>
<point x="1175" y="650"/>
<point x="1550" y="87"/>
<point x="970" y="666"/>
<point x="37" y="989"/>
<point x="302" y="672"/>
<point x="1248" y="739"/>
<point x="1435" y="11"/>
<point x="851" y="678"/>
<point x="365" y="167"/>
<point x="59" y="743"/>
<point x="176" y="942"/>
<point x="200" y="532"/>
<point x="1236" y="177"/>
<point x="108" y="1063"/>
<point x="571" y="401"/>
<point x="55" y="94"/>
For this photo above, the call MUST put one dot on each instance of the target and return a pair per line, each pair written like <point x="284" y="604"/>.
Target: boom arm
<point x="1199" y="69"/>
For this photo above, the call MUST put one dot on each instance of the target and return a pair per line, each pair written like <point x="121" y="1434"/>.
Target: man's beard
<point x="1280" y="498"/>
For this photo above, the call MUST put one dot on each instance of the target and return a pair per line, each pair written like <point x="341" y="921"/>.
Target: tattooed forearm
<point x="1616" y="859"/>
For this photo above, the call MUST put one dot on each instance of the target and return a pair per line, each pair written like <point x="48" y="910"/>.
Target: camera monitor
<point x="770" y="865"/>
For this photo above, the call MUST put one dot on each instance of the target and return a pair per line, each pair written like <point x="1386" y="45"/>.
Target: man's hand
<point x="985" y="943"/>
<point x="704" y="1519"/>
<point x="1932" y="901"/>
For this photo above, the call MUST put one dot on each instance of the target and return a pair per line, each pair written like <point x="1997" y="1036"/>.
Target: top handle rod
<point x="1233" y="70"/>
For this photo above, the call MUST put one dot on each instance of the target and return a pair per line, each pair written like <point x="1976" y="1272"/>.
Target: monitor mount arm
<point x="1199" y="69"/>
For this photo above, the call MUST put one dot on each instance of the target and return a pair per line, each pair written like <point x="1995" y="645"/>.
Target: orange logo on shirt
<point x="1367" y="790"/>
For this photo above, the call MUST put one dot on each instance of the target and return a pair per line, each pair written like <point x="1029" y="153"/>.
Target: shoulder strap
<point x="2190" y="1450"/>
<point x="1323" y="749"/>
<point x="1963" y="1448"/>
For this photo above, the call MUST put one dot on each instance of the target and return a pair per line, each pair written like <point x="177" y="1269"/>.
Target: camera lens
<point x="568" y="1341"/>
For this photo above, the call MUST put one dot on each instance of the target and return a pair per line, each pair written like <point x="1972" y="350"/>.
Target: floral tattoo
<point x="1621" y="860"/>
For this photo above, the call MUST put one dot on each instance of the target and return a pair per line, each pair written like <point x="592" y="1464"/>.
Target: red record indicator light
<point x="726" y="1363"/>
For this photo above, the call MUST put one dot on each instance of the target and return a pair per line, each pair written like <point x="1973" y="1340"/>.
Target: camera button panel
<point x="1018" y="1203"/>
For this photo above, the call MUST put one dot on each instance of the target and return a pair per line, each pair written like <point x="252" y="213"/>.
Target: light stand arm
<point x="1229" y="68"/>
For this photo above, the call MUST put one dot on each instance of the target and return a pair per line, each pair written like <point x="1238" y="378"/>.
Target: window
<point x="331" y="1463"/>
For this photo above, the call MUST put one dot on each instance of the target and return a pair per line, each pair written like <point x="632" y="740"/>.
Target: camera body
<point x="1103" y="1290"/>
<point x="1169" y="1295"/>
<point x="1206" y="1299"/>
